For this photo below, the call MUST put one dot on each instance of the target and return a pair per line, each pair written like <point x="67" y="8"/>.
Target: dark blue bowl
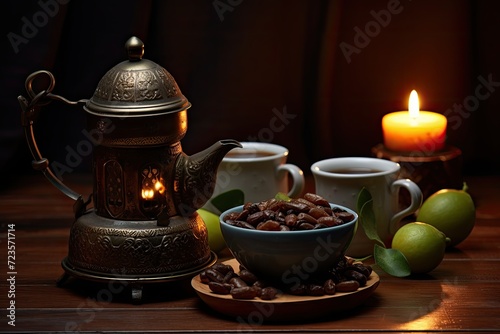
<point x="291" y="256"/>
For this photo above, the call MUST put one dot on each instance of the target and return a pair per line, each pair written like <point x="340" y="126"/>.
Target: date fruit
<point x="310" y="212"/>
<point x="347" y="276"/>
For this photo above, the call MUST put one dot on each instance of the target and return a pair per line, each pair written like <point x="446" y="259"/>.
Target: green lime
<point x="215" y="238"/>
<point x="451" y="211"/>
<point x="422" y="244"/>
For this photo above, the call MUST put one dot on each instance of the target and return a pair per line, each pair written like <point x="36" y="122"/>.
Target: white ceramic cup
<point x="260" y="171"/>
<point x="339" y="180"/>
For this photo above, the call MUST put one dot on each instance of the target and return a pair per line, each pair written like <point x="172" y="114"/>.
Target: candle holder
<point x="431" y="171"/>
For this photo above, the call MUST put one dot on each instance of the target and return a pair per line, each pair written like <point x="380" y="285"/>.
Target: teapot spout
<point x="196" y="176"/>
<point x="228" y="144"/>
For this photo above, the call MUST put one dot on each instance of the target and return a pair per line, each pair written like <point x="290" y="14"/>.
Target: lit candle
<point x="414" y="130"/>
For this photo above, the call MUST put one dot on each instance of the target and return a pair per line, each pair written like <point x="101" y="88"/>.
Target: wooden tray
<point x="285" y="307"/>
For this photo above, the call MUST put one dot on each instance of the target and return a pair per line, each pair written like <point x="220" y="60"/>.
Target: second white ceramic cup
<point x="339" y="180"/>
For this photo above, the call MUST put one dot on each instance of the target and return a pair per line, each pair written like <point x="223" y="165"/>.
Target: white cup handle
<point x="297" y="177"/>
<point x="416" y="201"/>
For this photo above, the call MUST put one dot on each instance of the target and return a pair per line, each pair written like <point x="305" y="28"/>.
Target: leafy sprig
<point x="390" y="260"/>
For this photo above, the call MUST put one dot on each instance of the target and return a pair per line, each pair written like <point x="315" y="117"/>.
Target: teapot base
<point x="135" y="283"/>
<point x="104" y="247"/>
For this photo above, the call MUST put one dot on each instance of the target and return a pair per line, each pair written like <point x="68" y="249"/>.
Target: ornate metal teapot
<point x="143" y="225"/>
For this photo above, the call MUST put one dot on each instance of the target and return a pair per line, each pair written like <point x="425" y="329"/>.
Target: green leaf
<point x="282" y="197"/>
<point x="392" y="261"/>
<point x="367" y="216"/>
<point x="363" y="197"/>
<point x="228" y="200"/>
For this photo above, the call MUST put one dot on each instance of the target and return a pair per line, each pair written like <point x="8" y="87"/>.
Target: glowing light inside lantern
<point x="159" y="187"/>
<point x="149" y="193"/>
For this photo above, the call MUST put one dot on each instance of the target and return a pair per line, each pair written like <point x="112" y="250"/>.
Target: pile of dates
<point x="347" y="276"/>
<point x="307" y="213"/>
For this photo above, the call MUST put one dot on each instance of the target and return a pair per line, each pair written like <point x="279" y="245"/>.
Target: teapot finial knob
<point x="135" y="48"/>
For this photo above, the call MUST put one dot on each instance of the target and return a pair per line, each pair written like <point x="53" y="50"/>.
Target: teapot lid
<point x="136" y="87"/>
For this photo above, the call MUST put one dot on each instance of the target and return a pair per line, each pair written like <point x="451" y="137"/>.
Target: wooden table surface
<point x="462" y="294"/>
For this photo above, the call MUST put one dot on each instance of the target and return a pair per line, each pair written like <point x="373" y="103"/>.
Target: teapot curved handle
<point x="30" y="111"/>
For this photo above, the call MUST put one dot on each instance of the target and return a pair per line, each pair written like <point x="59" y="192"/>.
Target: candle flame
<point x="413" y="104"/>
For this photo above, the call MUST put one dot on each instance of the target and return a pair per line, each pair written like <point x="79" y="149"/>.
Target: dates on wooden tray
<point x="346" y="276"/>
<point x="307" y="213"/>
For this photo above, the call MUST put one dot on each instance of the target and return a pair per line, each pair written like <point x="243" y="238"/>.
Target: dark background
<point x="242" y="62"/>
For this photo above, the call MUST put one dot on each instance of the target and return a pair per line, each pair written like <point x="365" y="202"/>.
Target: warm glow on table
<point x="414" y="130"/>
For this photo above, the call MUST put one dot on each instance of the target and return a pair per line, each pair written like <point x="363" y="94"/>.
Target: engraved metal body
<point x="143" y="224"/>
